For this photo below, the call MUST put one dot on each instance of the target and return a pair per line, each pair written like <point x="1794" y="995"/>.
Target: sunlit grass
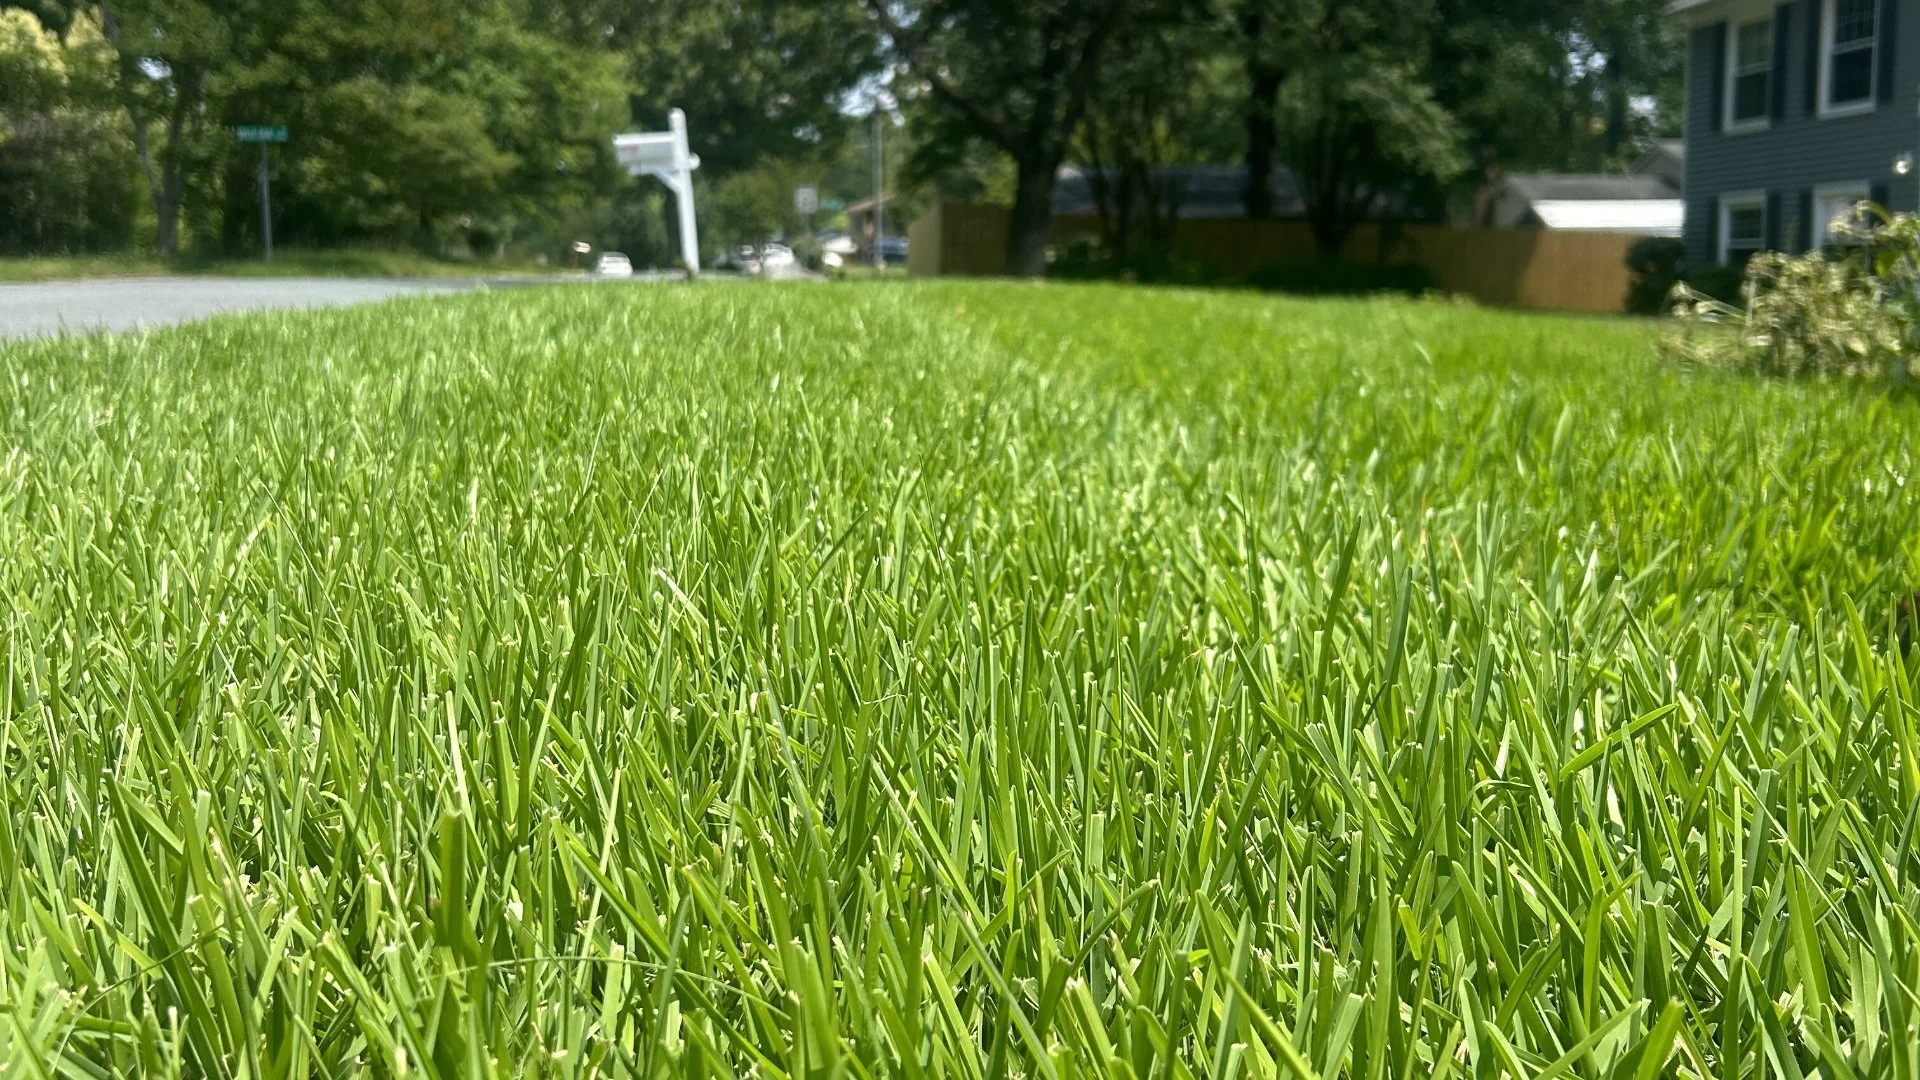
<point x="977" y="681"/>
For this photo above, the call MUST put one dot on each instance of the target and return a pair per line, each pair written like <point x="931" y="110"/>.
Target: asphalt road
<point x="136" y="303"/>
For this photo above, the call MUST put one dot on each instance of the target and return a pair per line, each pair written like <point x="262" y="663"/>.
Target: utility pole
<point x="879" y="194"/>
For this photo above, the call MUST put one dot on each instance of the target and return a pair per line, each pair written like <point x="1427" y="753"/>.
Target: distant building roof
<point x="1642" y="204"/>
<point x="1588" y="187"/>
<point x="1666" y="159"/>
<point x="1640" y="217"/>
<point x="1204" y="191"/>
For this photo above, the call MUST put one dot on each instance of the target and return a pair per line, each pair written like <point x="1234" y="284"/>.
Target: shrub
<point x="1341" y="277"/>
<point x="1722" y="283"/>
<point x="1850" y="313"/>
<point x="1657" y="263"/>
<point x="1087" y="258"/>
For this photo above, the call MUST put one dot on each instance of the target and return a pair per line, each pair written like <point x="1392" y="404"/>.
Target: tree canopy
<point x="482" y="126"/>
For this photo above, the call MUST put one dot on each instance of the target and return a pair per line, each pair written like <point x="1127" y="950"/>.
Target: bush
<point x="1657" y="263"/>
<point x="1087" y="258"/>
<point x="1851" y="313"/>
<point x="1722" y="283"/>
<point x="1341" y="277"/>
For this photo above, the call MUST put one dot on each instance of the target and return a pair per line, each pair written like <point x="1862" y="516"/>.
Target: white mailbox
<point x="664" y="156"/>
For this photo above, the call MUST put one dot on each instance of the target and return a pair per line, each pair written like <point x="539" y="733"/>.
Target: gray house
<point x="1795" y="112"/>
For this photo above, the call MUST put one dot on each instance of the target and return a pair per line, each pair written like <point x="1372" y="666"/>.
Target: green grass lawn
<point x="950" y="681"/>
<point x="292" y="263"/>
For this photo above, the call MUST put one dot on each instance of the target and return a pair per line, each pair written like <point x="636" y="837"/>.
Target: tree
<point x="421" y="120"/>
<point x="1357" y="118"/>
<point x="1258" y="24"/>
<point x="168" y="53"/>
<point x="65" y="181"/>
<point x="1018" y="75"/>
<point x="1555" y="85"/>
<point x="1141" y="121"/>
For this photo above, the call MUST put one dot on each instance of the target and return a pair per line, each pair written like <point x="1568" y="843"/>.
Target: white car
<point x="613" y="264"/>
<point x="776" y="257"/>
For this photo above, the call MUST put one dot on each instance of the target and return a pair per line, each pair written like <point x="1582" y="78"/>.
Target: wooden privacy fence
<point x="1523" y="268"/>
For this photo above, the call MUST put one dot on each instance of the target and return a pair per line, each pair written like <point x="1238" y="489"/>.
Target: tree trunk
<point x="170" y="187"/>
<point x="1263" y="133"/>
<point x="1618" y="109"/>
<point x="1331" y="226"/>
<point x="1030" y="226"/>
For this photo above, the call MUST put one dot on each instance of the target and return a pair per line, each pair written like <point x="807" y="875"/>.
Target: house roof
<point x="1588" y="187"/>
<point x="865" y="206"/>
<point x="1689" y="10"/>
<point x="1642" y="217"/>
<point x="1204" y="191"/>
<point x="1675" y="149"/>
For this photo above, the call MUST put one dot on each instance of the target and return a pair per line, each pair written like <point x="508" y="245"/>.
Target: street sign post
<point x="266" y="135"/>
<point x="664" y="156"/>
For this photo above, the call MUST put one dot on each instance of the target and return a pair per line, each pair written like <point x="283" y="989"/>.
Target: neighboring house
<point x="1795" y="112"/>
<point x="1666" y="159"/>
<point x="1617" y="203"/>
<point x="860" y="218"/>
<point x="1201" y="192"/>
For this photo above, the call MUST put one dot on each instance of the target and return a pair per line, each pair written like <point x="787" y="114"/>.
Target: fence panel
<point x="1525" y="268"/>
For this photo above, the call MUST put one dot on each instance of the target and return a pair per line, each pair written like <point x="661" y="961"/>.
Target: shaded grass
<point x="286" y="263"/>
<point x="957" y="680"/>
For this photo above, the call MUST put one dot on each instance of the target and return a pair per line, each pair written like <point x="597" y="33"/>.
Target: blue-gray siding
<point x="1800" y="151"/>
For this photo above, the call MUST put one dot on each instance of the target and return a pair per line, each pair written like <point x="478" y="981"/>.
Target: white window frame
<point x="1853" y="191"/>
<point x="1729" y="123"/>
<point x="1739" y="200"/>
<point x="1829" y="12"/>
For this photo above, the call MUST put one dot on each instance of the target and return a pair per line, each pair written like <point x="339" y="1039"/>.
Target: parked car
<point x="744" y="259"/>
<point x="892" y="248"/>
<point x="613" y="264"/>
<point x="777" y="257"/>
<point x="837" y="249"/>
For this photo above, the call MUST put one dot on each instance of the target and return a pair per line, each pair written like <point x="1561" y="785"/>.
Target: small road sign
<point x="261" y="133"/>
<point x="806" y="200"/>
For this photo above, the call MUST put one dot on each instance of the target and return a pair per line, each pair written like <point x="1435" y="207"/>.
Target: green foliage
<point x="66" y="166"/>
<point x="759" y="78"/>
<point x="1089" y="258"/>
<point x="1016" y="75"/>
<point x="1342" y="277"/>
<point x="1657" y="263"/>
<point x="1849" y="312"/>
<point x="949" y="681"/>
<point x="431" y="123"/>
<point x="1721" y="283"/>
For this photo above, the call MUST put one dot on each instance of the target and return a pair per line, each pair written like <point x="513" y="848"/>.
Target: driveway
<point x="136" y="303"/>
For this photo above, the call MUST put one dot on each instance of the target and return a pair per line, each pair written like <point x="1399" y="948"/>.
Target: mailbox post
<point x="664" y="156"/>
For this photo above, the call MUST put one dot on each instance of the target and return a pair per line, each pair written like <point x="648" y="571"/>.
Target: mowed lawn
<point x="950" y="681"/>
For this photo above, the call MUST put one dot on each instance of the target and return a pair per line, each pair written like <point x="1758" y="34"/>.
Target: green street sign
<point x="261" y="133"/>
<point x="833" y="206"/>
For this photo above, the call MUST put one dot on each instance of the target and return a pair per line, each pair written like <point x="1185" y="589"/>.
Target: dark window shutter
<point x="1782" y="25"/>
<point x="1719" y="90"/>
<point x="1813" y="56"/>
<point x="1711" y="211"/>
<point x="1878" y="193"/>
<point x="1803" y="233"/>
<point x="1776" y="240"/>
<point x="1888" y="48"/>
